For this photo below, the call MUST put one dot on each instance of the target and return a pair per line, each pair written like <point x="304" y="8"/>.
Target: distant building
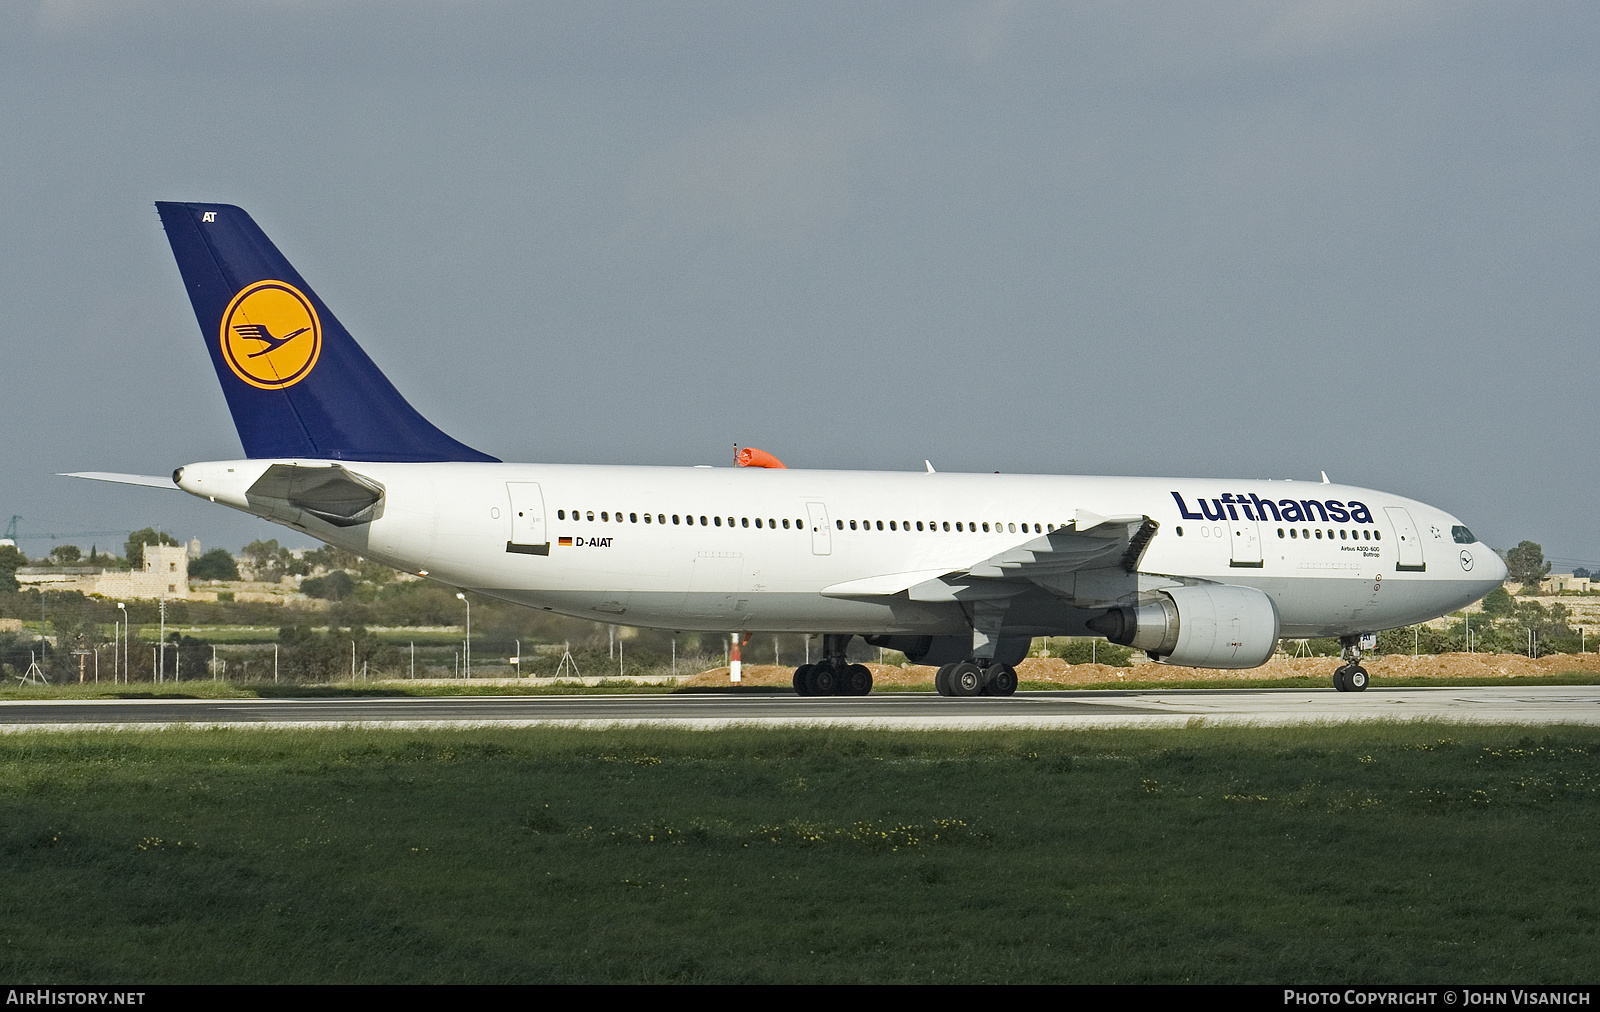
<point x="165" y="574"/>
<point x="1557" y="583"/>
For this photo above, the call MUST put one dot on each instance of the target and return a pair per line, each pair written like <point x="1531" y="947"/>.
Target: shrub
<point x="1088" y="650"/>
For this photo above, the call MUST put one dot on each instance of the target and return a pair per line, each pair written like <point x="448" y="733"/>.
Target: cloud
<point x="776" y="176"/>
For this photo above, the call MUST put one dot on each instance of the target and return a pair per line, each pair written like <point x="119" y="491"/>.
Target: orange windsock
<point x="749" y="456"/>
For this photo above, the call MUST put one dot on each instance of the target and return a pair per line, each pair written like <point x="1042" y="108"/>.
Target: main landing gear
<point x="833" y="675"/>
<point x="976" y="678"/>
<point x="1350" y="676"/>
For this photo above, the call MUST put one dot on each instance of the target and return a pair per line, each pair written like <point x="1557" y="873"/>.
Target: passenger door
<point x="529" y="535"/>
<point x="1246" y="536"/>
<point x="1410" y="546"/>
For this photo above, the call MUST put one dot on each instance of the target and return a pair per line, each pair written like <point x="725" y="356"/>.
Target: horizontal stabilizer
<point x="152" y="480"/>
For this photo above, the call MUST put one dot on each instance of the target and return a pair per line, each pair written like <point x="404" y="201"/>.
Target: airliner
<point x="958" y="571"/>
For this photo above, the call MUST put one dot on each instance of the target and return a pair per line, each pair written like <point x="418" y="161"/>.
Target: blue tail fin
<point x="296" y="381"/>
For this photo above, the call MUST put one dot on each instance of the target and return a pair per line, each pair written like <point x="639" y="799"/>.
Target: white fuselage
<point x="754" y="549"/>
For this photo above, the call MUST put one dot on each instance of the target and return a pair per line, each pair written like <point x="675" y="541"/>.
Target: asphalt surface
<point x="1101" y="708"/>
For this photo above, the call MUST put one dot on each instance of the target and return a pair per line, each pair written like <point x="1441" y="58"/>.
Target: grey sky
<point x="1235" y="239"/>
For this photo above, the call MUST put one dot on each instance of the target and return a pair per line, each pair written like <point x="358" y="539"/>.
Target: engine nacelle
<point x="1205" y="626"/>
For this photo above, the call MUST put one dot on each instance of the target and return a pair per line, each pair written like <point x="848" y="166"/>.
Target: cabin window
<point x="986" y="528"/>
<point x="1319" y="535"/>
<point x="785" y="523"/>
<point x="591" y="515"/>
<point x="852" y="525"/>
<point x="561" y="514"/>
<point x="647" y="518"/>
<point x="718" y="521"/>
<point x="1377" y="535"/>
<point x="1180" y="532"/>
<point x="839" y="524"/>
<point x="880" y="525"/>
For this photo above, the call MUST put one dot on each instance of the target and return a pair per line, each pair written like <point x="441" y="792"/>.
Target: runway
<point x="1064" y="709"/>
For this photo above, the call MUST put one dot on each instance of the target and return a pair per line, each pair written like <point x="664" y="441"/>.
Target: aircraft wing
<point x="1093" y="561"/>
<point x="152" y="480"/>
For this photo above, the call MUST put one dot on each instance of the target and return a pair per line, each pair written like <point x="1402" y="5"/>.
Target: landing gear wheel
<point x="1351" y="676"/>
<point x="941" y="680"/>
<point x="857" y="681"/>
<point x="822" y="681"/>
<point x="966" y="679"/>
<point x="802" y="676"/>
<point x="1003" y="680"/>
<point x="1355" y="678"/>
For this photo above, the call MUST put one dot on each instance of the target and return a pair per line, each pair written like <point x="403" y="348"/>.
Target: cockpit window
<point x="1462" y="536"/>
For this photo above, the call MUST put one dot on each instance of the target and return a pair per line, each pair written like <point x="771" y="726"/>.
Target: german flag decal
<point x="564" y="542"/>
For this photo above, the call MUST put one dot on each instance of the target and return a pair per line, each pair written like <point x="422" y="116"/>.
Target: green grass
<point x="1368" y="853"/>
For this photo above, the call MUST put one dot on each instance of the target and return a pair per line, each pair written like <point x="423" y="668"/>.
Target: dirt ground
<point x="1036" y="669"/>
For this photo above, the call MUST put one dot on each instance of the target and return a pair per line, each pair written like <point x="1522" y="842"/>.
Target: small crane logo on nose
<point x="1466" y="560"/>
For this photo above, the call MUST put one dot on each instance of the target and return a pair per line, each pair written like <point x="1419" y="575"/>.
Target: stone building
<point x="165" y="574"/>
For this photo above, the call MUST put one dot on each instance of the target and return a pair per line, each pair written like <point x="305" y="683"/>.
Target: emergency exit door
<point x="821" y="533"/>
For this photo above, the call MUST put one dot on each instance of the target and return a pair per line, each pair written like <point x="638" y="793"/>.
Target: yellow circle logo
<point x="271" y="336"/>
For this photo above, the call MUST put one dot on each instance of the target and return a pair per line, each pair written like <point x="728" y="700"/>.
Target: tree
<point x="1526" y="565"/>
<point x="1497" y="603"/>
<point x="216" y="564"/>
<point x="133" y="551"/>
<point x="10" y="560"/>
<point x="336" y="586"/>
<point x="65" y="555"/>
<point x="269" y="561"/>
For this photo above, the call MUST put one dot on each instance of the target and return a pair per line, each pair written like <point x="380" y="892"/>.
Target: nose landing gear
<point x="1350" y="676"/>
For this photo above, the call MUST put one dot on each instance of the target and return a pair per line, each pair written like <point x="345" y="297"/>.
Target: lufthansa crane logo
<point x="271" y="336"/>
<point x="1466" y="560"/>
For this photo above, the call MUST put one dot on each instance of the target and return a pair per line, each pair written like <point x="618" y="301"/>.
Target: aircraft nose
<point x="1494" y="568"/>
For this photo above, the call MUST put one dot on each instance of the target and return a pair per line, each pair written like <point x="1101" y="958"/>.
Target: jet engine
<point x="1207" y="626"/>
